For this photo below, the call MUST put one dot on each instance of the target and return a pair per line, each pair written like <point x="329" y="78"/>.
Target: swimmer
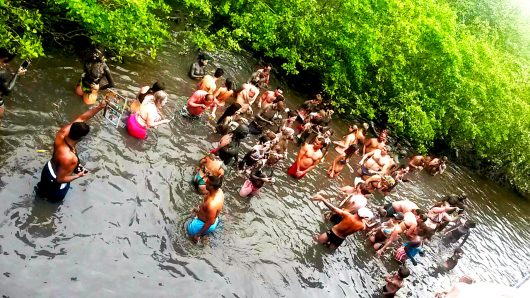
<point x="394" y="282"/>
<point x="209" y="83"/>
<point x="338" y="163"/>
<point x="64" y="166"/>
<point x="349" y="224"/>
<point x="199" y="102"/>
<point x="7" y="81"/>
<point x="95" y="69"/>
<point x="148" y="116"/>
<point x="308" y="158"/>
<point x="206" y="219"/>
<point x="197" y="69"/>
<point x="224" y="93"/>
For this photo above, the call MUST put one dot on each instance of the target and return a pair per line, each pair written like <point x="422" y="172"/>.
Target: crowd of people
<point x="254" y="111"/>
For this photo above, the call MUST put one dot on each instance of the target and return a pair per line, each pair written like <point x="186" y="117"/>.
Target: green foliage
<point x="446" y="71"/>
<point x="20" y="30"/>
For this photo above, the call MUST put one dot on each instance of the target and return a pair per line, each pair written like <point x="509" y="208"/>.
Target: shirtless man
<point x="269" y="97"/>
<point x="347" y="140"/>
<point x="267" y="118"/>
<point x="395" y="282"/>
<point x="418" y="162"/>
<point x="199" y="102"/>
<point x="308" y="158"/>
<point x="209" y="83"/>
<point x="402" y="206"/>
<point x="64" y="167"/>
<point x="349" y="224"/>
<point x="207" y="217"/>
<point x="376" y="162"/>
<point x="209" y="166"/>
<point x="246" y="97"/>
<point x="437" y="166"/>
<point x="261" y="77"/>
<point x="375" y="143"/>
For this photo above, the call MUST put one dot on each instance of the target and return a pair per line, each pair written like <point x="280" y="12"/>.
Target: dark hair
<point x="230" y="111"/>
<point x="157" y="86"/>
<point x="459" y="250"/>
<point x="470" y="224"/>
<point x="278" y="98"/>
<point x="263" y="139"/>
<point x="419" y="211"/>
<point x="229" y="84"/>
<point x="219" y="72"/>
<point x="350" y="151"/>
<point x="241" y="132"/>
<point x="78" y="130"/>
<point x="292" y="113"/>
<point x="4" y="53"/>
<point x="214" y="182"/>
<point x="403" y="272"/>
<point x="209" y="97"/>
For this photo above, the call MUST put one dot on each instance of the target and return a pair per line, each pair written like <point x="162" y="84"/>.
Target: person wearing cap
<point x="7" y="80"/>
<point x="388" y="233"/>
<point x="349" y="224"/>
<point x="269" y="97"/>
<point x="197" y="69"/>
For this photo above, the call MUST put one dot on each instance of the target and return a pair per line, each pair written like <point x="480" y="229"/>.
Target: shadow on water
<point x="120" y="232"/>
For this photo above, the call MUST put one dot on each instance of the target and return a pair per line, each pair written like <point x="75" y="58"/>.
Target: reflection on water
<point x="120" y="230"/>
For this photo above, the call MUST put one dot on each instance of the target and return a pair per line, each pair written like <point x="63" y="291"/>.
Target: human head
<point x="252" y="92"/>
<point x="219" y="72"/>
<point x="403" y="272"/>
<point x="96" y="55"/>
<point x="364" y="212"/>
<point x="160" y="98"/>
<point x="241" y="132"/>
<point x="328" y="133"/>
<point x="229" y="84"/>
<point x="381" y="137"/>
<point x="278" y="91"/>
<point x="279" y="106"/>
<point x="202" y="58"/>
<point x="458" y="251"/>
<point x="444" y="159"/>
<point x="352" y="128"/>
<point x="318" y="142"/>
<point x="209" y="98"/>
<point x="268" y="67"/>
<point x="78" y="130"/>
<point x="157" y="86"/>
<point x="213" y="183"/>
<point x="318" y="97"/>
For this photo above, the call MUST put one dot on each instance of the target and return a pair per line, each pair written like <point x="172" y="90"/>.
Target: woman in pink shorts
<point x="148" y="116"/>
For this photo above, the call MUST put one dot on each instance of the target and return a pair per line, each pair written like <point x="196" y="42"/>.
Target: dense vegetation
<point x="451" y="73"/>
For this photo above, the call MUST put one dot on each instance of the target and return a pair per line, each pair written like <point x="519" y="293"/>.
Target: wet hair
<point x="214" y="182"/>
<point x="350" y="150"/>
<point x="5" y="54"/>
<point x="240" y="132"/>
<point x="280" y="106"/>
<point x="209" y="97"/>
<point x="403" y="272"/>
<point x="157" y="86"/>
<point x="160" y="96"/>
<point x="230" y="111"/>
<point x="78" y="130"/>
<point x="444" y="159"/>
<point x="470" y="224"/>
<point x="279" y="98"/>
<point x="229" y="84"/>
<point x="219" y="72"/>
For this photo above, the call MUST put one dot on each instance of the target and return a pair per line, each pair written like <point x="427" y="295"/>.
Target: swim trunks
<point x="389" y="210"/>
<point x="195" y="225"/>
<point x="292" y="171"/>
<point x="49" y="188"/>
<point x="135" y="129"/>
<point x="334" y="239"/>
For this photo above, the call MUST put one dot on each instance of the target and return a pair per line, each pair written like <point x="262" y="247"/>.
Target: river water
<point x="120" y="230"/>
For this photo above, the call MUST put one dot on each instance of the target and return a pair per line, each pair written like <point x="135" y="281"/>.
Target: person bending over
<point x="209" y="83"/>
<point x="65" y="167"/>
<point x="95" y="69"/>
<point x="148" y="116"/>
<point x="7" y="81"/>
<point x="394" y="282"/>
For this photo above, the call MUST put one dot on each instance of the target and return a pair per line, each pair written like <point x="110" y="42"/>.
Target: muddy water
<point x="119" y="231"/>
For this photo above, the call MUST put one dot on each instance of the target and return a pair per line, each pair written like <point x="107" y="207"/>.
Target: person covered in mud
<point x="260" y="78"/>
<point x="209" y="166"/>
<point x="340" y="161"/>
<point x="452" y="261"/>
<point x="148" y="116"/>
<point x="145" y="92"/>
<point x="269" y="97"/>
<point x="65" y="166"/>
<point x="206" y="219"/>
<point x="209" y="83"/>
<point x="308" y="158"/>
<point x="7" y="80"/>
<point x="95" y="69"/>
<point x="267" y="117"/>
<point x="228" y="148"/>
<point x="349" y="224"/>
<point x="395" y="281"/>
<point x="198" y="68"/>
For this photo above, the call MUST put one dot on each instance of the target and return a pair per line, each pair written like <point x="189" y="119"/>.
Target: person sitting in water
<point x="255" y="182"/>
<point x="261" y="77"/>
<point x="409" y="250"/>
<point x="206" y="219"/>
<point x="209" y="166"/>
<point x="65" y="167"/>
<point x="209" y="83"/>
<point x="388" y="233"/>
<point x="95" y="69"/>
<point x="228" y="148"/>
<point x="372" y="144"/>
<point x="145" y="92"/>
<point x="308" y="158"/>
<point x="451" y="263"/>
<point x="7" y="81"/>
<point x="197" y="69"/>
<point x="418" y="162"/>
<point x="148" y="116"/>
<point x="246" y="97"/>
<point x="394" y="282"/>
<point x="349" y="224"/>
<point x="437" y="166"/>
<point x="455" y="233"/>
<point x="340" y="161"/>
<point x="224" y="93"/>
<point x="198" y="103"/>
<point x="376" y="162"/>
<point x="269" y="97"/>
